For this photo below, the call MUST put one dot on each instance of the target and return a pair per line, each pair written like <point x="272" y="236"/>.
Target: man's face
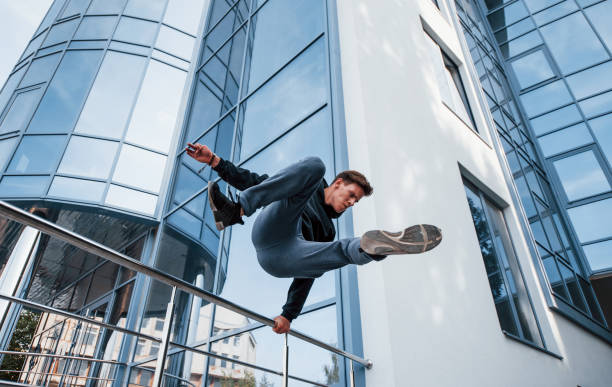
<point x="344" y="196"/>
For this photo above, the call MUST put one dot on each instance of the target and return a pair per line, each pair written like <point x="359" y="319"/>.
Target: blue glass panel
<point x="525" y="195"/>
<point x="592" y="221"/>
<point x="291" y="25"/>
<point x="187" y="183"/>
<point x="185" y="14"/>
<point x="566" y="139"/>
<point x="599" y="255"/>
<point x="581" y="175"/>
<point x="120" y="46"/>
<point x="288" y="97"/>
<point x="32" y="46"/>
<point x="591" y="81"/>
<point x="95" y="27"/>
<point x="148" y="9"/>
<point x="23" y="186"/>
<point x="6" y="150"/>
<point x="493" y="4"/>
<point x="88" y="157"/>
<point x="531" y="69"/>
<point x="115" y="90"/>
<point x="585" y="3"/>
<point x="50" y="16"/>
<point x="49" y="50"/>
<point x="554" y="277"/>
<point x="597" y="105"/>
<point x="567" y="40"/>
<point x="222" y="31"/>
<point x="570" y="281"/>
<point x="40" y="70"/>
<point x="106" y="7"/>
<point x="37" y="154"/>
<point x="507" y="15"/>
<point x="155" y="114"/>
<point x="599" y="15"/>
<point x="555" y="12"/>
<point x="74" y="7"/>
<point x="77" y="189"/>
<point x="140" y="168"/>
<point x="132" y="200"/>
<point x="136" y="31"/>
<point x="519" y="45"/>
<point x="9" y="86"/>
<point x="602" y="128"/>
<point x="87" y="44"/>
<point x="61" y="32"/>
<point x="20" y="111"/>
<point x="175" y="42"/>
<point x="169" y="59"/>
<point x="536" y="5"/>
<point x="514" y="30"/>
<point x="186" y="222"/>
<point x="545" y="98"/>
<point x="554" y="120"/>
<point x="61" y="103"/>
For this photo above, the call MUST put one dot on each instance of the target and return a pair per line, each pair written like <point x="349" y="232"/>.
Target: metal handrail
<point x="98" y="249"/>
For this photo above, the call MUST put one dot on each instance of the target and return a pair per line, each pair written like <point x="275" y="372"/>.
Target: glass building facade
<point x="95" y="116"/>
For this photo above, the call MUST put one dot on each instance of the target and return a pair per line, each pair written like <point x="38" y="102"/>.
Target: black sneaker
<point x="226" y="211"/>
<point x="413" y="240"/>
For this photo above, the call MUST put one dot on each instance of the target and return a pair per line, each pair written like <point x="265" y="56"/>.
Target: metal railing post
<point x="351" y="373"/>
<point x="163" y="348"/>
<point x="286" y="362"/>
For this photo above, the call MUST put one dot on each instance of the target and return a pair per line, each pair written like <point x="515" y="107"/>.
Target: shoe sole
<point x="413" y="240"/>
<point x="218" y="224"/>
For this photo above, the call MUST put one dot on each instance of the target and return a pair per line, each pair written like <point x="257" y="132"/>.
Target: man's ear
<point x="338" y="182"/>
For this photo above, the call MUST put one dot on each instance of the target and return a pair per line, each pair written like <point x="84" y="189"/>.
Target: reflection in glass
<point x="599" y="15"/>
<point x="591" y="81"/>
<point x="40" y="70"/>
<point x="114" y="90"/>
<point x="7" y="91"/>
<point x="185" y="14"/>
<point x="37" y="154"/>
<point x="554" y="120"/>
<point x="507" y="15"/>
<point x="531" y="69"/>
<point x="545" y="98"/>
<point x="592" y="221"/>
<point x="148" y="9"/>
<point x="20" y="111"/>
<point x="88" y="157"/>
<point x="167" y="58"/>
<point x="565" y="139"/>
<point x="602" y="128"/>
<point x="573" y="43"/>
<point x="6" y="150"/>
<point x="175" y="42"/>
<point x="514" y="30"/>
<point x="74" y="7"/>
<point x="95" y="27"/>
<point x="130" y="199"/>
<point x="581" y="175"/>
<point x="519" y="45"/>
<point x="106" y="7"/>
<point x="155" y="114"/>
<point x="596" y="105"/>
<point x="61" y="32"/>
<point x="291" y="95"/>
<point x="136" y="31"/>
<point x="132" y="48"/>
<point x="61" y="103"/>
<point x="23" y="186"/>
<point x="599" y="255"/>
<point x="77" y="189"/>
<point x="32" y="46"/>
<point x="555" y="12"/>
<point x="140" y="168"/>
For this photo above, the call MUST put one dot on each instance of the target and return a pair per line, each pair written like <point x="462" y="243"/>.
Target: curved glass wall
<point x="513" y="29"/>
<point x="89" y="113"/>
<point x="262" y="105"/>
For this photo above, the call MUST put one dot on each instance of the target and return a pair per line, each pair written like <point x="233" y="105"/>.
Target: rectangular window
<point x="512" y="302"/>
<point x="450" y="84"/>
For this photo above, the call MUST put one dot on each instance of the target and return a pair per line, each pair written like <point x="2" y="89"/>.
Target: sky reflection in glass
<point x="573" y="43"/>
<point x="95" y="27"/>
<point x="136" y="31"/>
<point x="602" y="128"/>
<point x="114" y="90"/>
<point x="592" y="221"/>
<point x="88" y="157"/>
<point x="185" y="14"/>
<point x="74" y="7"/>
<point x="156" y="111"/>
<point x="556" y="119"/>
<point x="37" y="154"/>
<point x="565" y="139"/>
<point x="519" y="45"/>
<point x="581" y="175"/>
<point x="106" y="6"/>
<point x="291" y="26"/>
<point x="555" y="12"/>
<point x="175" y="42"/>
<point x="599" y="255"/>
<point x="131" y="200"/>
<point x="40" y="70"/>
<point x="545" y="98"/>
<point x="140" y="168"/>
<point x="23" y="186"/>
<point x="531" y="69"/>
<point x="591" y="81"/>
<point x="599" y="15"/>
<point x="61" y="103"/>
<point x="292" y="94"/>
<point x="20" y="111"/>
<point x="596" y="105"/>
<point x="6" y="150"/>
<point x="77" y="189"/>
<point x="60" y="32"/>
<point x="148" y="9"/>
<point x="10" y="84"/>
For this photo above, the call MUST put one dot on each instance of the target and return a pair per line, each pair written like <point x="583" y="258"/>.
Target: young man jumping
<point x="294" y="233"/>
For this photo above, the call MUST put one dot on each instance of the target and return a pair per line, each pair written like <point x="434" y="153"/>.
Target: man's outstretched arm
<point x="237" y="177"/>
<point x="296" y="297"/>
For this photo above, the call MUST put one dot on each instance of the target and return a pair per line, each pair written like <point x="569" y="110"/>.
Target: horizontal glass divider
<point x="102" y="251"/>
<point x="596" y="241"/>
<point x="503" y="5"/>
<point x="532" y="345"/>
<point x="168" y="64"/>
<point x="144" y="147"/>
<point x="133" y="188"/>
<point x="177" y="29"/>
<point x="25" y="175"/>
<point x="172" y="55"/>
<point x="513" y="23"/>
<point x="588" y="200"/>
<point x="9" y="135"/>
<point x="62" y="357"/>
<point x="130" y="43"/>
<point x="48" y="309"/>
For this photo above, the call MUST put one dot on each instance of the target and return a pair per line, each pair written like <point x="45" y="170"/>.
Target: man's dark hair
<point x="358" y="178"/>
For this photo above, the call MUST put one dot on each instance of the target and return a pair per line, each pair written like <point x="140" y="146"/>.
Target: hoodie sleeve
<point x="296" y="297"/>
<point x="237" y="177"/>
